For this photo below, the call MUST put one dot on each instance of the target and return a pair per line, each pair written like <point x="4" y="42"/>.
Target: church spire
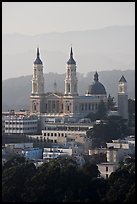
<point x="96" y="77"/>
<point x="38" y="60"/>
<point x="38" y="52"/>
<point x="122" y="79"/>
<point x="71" y="60"/>
<point x="71" y="53"/>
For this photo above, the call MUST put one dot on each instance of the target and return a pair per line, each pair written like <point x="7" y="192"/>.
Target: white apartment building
<point x="115" y="152"/>
<point x="68" y="132"/>
<point x="97" y="151"/>
<point x="63" y="136"/>
<point x="19" y="145"/>
<point x="55" y="152"/>
<point x="20" y="124"/>
<point x="107" y="168"/>
<point x="118" y="149"/>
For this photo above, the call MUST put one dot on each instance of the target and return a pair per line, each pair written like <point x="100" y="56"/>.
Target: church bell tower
<point x="37" y="94"/>
<point x="123" y="98"/>
<point x="71" y="78"/>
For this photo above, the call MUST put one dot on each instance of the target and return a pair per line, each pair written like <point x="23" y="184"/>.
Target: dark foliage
<point x="62" y="180"/>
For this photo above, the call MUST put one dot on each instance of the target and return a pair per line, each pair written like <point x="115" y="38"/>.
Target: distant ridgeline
<point x="16" y="91"/>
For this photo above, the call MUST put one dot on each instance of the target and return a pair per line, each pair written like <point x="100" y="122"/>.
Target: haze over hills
<point x="16" y="91"/>
<point x="109" y="48"/>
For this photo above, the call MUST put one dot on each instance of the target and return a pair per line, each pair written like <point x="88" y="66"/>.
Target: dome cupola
<point x="96" y="88"/>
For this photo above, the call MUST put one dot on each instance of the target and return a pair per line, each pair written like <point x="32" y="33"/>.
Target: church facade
<point x="69" y="103"/>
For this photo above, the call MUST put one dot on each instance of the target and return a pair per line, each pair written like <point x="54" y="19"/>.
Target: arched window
<point x="35" y="107"/>
<point x="68" y="73"/>
<point x="68" y="87"/>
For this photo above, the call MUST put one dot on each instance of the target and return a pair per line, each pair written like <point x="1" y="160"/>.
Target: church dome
<point x="38" y="60"/>
<point x="96" y="88"/>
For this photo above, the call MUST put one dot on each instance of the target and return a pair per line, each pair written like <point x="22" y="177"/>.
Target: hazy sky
<point x="44" y="17"/>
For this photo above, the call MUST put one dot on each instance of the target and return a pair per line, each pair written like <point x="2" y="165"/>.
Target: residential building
<point x="55" y="152"/>
<point x="32" y="153"/>
<point x="15" y="124"/>
<point x="107" y="168"/>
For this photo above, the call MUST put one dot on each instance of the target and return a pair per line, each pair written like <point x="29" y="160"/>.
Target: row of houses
<point x="115" y="152"/>
<point x="68" y="138"/>
<point x="39" y="155"/>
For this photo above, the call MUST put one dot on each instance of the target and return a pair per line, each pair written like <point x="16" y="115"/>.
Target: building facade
<point x="69" y="103"/>
<point x="20" y="124"/>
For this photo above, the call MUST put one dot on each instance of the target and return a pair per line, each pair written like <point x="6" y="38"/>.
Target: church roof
<point x="71" y="60"/>
<point x="122" y="79"/>
<point x="96" y="87"/>
<point x="38" y="60"/>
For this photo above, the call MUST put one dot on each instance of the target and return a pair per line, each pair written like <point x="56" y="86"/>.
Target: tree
<point x="102" y="110"/>
<point x="53" y="182"/>
<point x="131" y="114"/>
<point x="110" y="103"/>
<point x="98" y="158"/>
<point x="92" y="116"/>
<point x="100" y="114"/>
<point x="122" y="183"/>
<point x="91" y="170"/>
<point x="111" y="128"/>
<point x="14" y="175"/>
<point x="131" y="106"/>
<point x="14" y="160"/>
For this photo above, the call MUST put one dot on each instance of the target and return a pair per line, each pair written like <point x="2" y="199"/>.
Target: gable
<point x="53" y="96"/>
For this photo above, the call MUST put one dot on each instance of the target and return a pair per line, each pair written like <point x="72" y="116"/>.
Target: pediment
<point x="53" y="96"/>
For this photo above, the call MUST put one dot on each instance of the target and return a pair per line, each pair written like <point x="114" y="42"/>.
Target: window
<point x="68" y="87"/>
<point x="106" y="168"/>
<point x="75" y="88"/>
<point x="68" y="73"/>
<point x="34" y="107"/>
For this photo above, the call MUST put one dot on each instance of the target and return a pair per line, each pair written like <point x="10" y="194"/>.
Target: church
<point x="69" y="103"/>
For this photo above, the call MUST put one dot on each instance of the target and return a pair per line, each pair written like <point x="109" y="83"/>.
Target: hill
<point x="107" y="48"/>
<point x="16" y="91"/>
